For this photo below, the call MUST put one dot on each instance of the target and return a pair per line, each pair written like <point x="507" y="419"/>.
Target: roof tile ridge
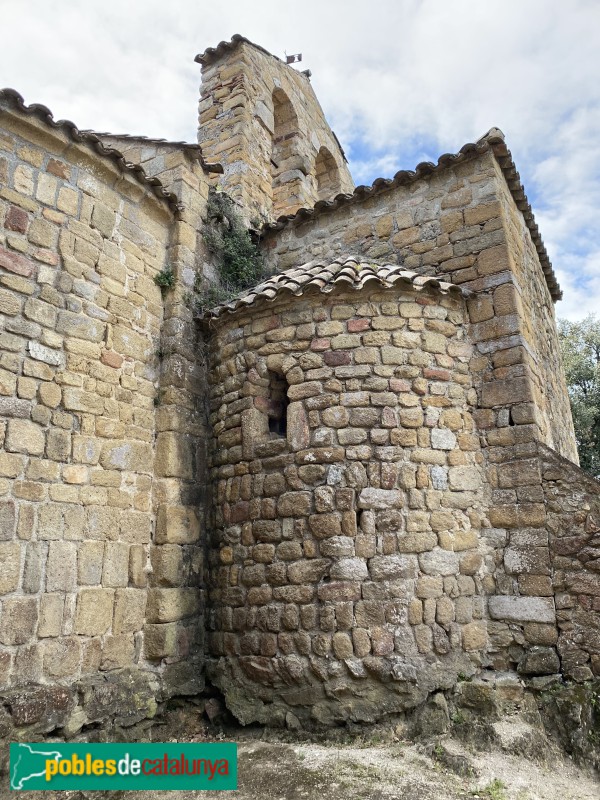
<point x="96" y="144"/>
<point x="299" y="280"/>
<point x="187" y="146"/>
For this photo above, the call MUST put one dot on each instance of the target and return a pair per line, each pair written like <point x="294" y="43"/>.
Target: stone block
<point x="174" y="456"/>
<point x="522" y="609"/>
<point x="323" y="526"/>
<point x="169" y="605"/>
<point x="33" y="568"/>
<point x="167" y="564"/>
<point x="23" y="436"/>
<point x="519" y="560"/>
<point x="380" y="498"/>
<point x="439" y="562"/>
<point x="417" y="542"/>
<point x="115" y="568"/>
<point x="525" y="472"/>
<point x="177" y="525"/>
<point x="506" y="392"/>
<point x="429" y="586"/>
<point x="539" y="661"/>
<point x="160" y="641"/>
<point x="342" y="645"/>
<point x="117" y="652"/>
<point x="393" y="567"/>
<point x="94" y="611"/>
<point x="15" y="263"/>
<point x="129" y="343"/>
<point x="474" y="636"/>
<point x="89" y="562"/>
<point x="442" y="439"/>
<point x="10" y="569"/>
<point x="294" y="504"/>
<point x="464" y="478"/>
<point x="349" y="569"/>
<point x="130" y="608"/>
<point x="537" y="633"/>
<point x="78" y="400"/>
<point x="308" y="571"/>
<point x="7" y="507"/>
<point x="50" y="394"/>
<point x="582" y="583"/>
<point x="61" y="657"/>
<point x="103" y="219"/>
<point x="51" y="615"/>
<point x="80" y="326"/>
<point x="132" y="456"/>
<point x="138" y="565"/>
<point x="18" y="620"/>
<point x="58" y="446"/>
<point x="61" y="567"/>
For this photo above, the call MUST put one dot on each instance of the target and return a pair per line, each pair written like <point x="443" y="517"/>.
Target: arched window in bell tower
<point x="327" y="175"/>
<point x="285" y="129"/>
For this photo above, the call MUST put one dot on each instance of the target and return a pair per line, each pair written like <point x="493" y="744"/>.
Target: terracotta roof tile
<point x="193" y="149"/>
<point x="214" y="53"/>
<point x="13" y="100"/>
<point x="492" y="141"/>
<point x="349" y="272"/>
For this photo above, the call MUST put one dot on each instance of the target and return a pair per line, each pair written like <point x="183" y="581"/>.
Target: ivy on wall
<point x="238" y="261"/>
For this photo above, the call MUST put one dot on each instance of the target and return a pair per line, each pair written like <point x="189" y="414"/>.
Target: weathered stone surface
<point x="539" y="661"/>
<point x="168" y="605"/>
<point x="294" y="504"/>
<point x="160" y="641"/>
<point x="19" y="620"/>
<point x="380" y="499"/>
<point x="522" y="609"/>
<point x="177" y="525"/>
<point x="10" y="558"/>
<point x="392" y="567"/>
<point x="439" y="562"/>
<point x="94" y="612"/>
<point x="133" y="456"/>
<point x="349" y="569"/>
<point x="23" y="436"/>
<point x="61" y="568"/>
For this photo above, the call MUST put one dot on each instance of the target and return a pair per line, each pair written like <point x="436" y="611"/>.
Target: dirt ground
<point x="394" y="770"/>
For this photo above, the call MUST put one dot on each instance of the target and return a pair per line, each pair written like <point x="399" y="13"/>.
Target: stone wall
<point x="346" y="567"/>
<point x="544" y="578"/>
<point x="102" y="433"/>
<point x="573" y="522"/>
<point x="533" y="305"/>
<point x="460" y="222"/>
<point x="445" y="222"/>
<point x="384" y="511"/>
<point x="261" y="119"/>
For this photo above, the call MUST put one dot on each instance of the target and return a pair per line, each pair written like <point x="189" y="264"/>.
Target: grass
<point x="495" y="790"/>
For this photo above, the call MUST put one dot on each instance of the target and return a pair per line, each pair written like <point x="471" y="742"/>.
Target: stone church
<point x="331" y="498"/>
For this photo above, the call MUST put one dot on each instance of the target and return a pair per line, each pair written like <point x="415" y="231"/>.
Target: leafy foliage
<point x="580" y="345"/>
<point x="238" y="260"/>
<point x="165" y="279"/>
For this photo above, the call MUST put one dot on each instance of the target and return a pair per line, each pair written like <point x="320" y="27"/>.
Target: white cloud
<point x="396" y="78"/>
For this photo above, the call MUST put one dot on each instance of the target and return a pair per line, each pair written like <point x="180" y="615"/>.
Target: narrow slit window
<point x="278" y="404"/>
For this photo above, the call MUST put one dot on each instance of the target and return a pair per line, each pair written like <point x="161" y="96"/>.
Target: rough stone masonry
<point x="332" y="497"/>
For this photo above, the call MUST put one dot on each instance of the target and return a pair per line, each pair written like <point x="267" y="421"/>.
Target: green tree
<point x="580" y="345"/>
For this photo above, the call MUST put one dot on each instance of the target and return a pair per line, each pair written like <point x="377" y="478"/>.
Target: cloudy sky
<point x="401" y="81"/>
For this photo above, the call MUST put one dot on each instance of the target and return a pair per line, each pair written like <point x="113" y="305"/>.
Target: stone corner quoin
<point x="330" y="499"/>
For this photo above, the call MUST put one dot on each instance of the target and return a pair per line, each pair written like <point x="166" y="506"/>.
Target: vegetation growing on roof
<point x="239" y="263"/>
